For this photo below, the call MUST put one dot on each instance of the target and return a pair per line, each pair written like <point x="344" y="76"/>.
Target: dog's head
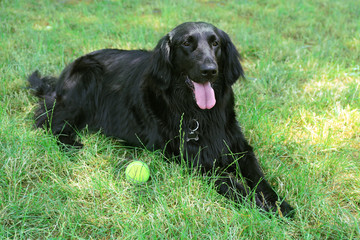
<point x="200" y="53"/>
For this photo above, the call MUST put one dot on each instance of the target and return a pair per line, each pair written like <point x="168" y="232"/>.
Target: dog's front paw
<point x="284" y="209"/>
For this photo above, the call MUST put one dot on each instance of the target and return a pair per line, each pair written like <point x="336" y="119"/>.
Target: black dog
<point x="177" y="97"/>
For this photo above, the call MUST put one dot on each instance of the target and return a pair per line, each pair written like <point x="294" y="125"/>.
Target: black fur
<point x="147" y="97"/>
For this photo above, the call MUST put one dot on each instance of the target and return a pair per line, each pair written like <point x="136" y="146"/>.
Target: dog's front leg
<point x="251" y="171"/>
<point x="232" y="189"/>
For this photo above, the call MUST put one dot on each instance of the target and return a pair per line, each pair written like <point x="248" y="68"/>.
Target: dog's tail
<point x="44" y="89"/>
<point x="41" y="86"/>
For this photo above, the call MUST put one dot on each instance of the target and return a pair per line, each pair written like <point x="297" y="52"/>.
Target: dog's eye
<point x="186" y="43"/>
<point x="215" y="43"/>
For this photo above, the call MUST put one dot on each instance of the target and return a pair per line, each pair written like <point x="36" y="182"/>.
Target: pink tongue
<point x="204" y="95"/>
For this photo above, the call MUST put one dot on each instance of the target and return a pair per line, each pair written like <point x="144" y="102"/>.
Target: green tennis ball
<point x="137" y="172"/>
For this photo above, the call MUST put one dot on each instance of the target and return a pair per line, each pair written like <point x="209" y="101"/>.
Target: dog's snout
<point x="209" y="70"/>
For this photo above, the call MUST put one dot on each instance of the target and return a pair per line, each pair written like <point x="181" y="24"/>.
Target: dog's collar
<point x="192" y="132"/>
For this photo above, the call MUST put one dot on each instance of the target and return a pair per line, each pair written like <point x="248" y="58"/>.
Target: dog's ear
<point x="230" y="60"/>
<point x="160" y="67"/>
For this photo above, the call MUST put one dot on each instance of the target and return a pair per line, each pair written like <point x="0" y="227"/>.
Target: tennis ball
<point x="137" y="172"/>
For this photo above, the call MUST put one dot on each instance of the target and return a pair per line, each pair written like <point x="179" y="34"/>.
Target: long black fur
<point x="146" y="98"/>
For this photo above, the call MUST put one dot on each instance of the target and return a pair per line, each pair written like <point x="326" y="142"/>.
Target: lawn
<point x="299" y="107"/>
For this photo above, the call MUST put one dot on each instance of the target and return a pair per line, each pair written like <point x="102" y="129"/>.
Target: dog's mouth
<point x="203" y="92"/>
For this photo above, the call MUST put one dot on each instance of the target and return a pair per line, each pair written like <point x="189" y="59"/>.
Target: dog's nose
<point x="208" y="70"/>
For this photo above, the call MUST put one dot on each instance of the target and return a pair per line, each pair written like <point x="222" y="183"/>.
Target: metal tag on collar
<point x="193" y="127"/>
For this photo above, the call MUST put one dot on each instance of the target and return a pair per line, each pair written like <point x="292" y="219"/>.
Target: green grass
<point x="299" y="108"/>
